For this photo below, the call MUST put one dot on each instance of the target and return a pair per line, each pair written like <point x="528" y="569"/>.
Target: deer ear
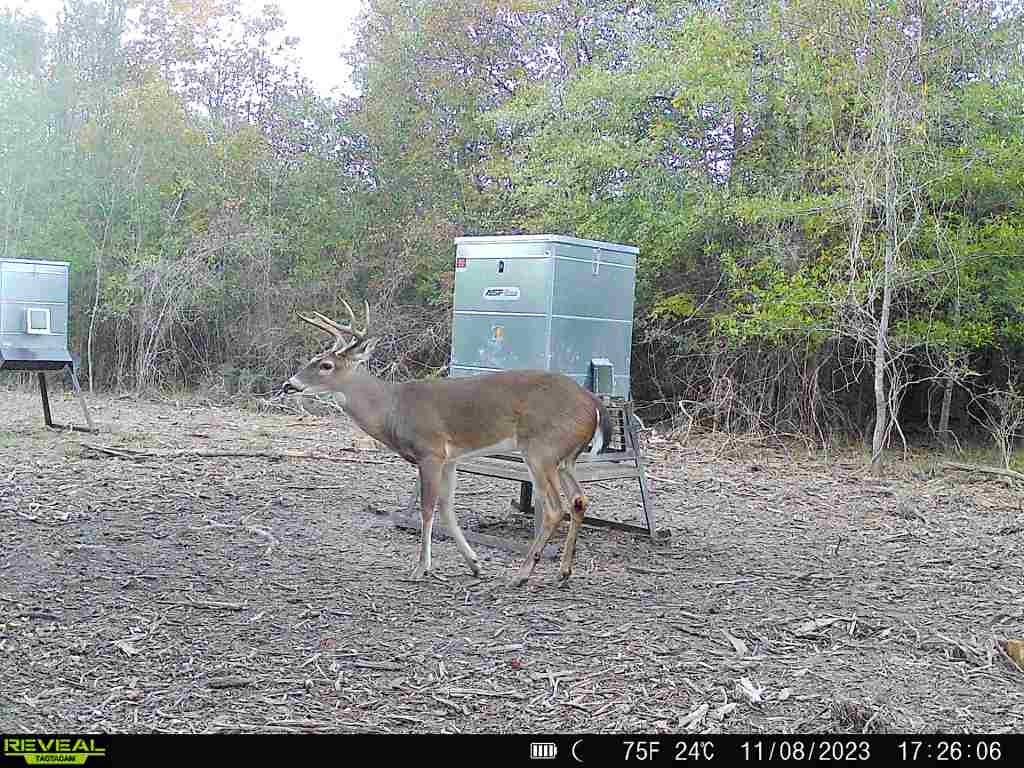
<point x="365" y="349"/>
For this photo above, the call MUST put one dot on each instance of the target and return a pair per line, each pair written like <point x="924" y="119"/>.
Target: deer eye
<point x="326" y="366"/>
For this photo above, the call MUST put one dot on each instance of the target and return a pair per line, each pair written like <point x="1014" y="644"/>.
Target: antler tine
<point x="352" y="319"/>
<point x="352" y="316"/>
<point x="323" y="323"/>
<point x="339" y="330"/>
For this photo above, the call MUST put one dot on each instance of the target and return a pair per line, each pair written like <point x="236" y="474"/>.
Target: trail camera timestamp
<point x="677" y="750"/>
<point x="799" y="749"/>
<point x="950" y="750"/>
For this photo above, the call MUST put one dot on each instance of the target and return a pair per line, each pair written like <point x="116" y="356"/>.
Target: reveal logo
<point x="53" y="751"/>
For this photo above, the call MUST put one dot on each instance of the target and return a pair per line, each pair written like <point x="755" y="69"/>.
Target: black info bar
<point x="880" y="749"/>
<point x="317" y="746"/>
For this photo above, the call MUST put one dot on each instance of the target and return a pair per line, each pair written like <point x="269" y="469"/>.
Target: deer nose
<point x="287" y="388"/>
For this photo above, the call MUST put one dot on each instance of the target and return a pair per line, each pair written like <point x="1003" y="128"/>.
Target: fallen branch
<point x="142" y="455"/>
<point x="378" y="665"/>
<point x="986" y="470"/>
<point x="694" y="718"/>
<point x="665" y="480"/>
<point x="462" y="692"/>
<point x="233" y="681"/>
<point x="262" y="532"/>
<point x="648" y="571"/>
<point x="212" y="605"/>
<point x="294" y="726"/>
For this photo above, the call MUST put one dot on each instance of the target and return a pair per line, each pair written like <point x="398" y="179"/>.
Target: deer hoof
<point x="475" y="568"/>
<point x="418" y="573"/>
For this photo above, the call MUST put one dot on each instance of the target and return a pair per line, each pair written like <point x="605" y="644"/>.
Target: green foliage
<point x="202" y="189"/>
<point x="769" y="304"/>
<point x="678" y="306"/>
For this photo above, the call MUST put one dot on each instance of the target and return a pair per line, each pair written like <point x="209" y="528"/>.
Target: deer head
<point x="328" y="371"/>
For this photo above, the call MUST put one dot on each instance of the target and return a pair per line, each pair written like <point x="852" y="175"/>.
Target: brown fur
<point x="431" y="423"/>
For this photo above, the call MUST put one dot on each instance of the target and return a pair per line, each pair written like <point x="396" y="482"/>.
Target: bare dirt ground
<point x="259" y="594"/>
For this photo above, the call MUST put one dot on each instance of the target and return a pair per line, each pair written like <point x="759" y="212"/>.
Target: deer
<point x="434" y="423"/>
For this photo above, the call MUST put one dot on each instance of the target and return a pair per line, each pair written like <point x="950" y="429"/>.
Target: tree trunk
<point x="92" y="315"/>
<point x="951" y="361"/>
<point x="891" y="203"/>
<point x="881" y="353"/>
<point x="947" y="400"/>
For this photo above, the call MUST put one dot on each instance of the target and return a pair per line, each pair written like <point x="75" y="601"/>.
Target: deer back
<point x="478" y="412"/>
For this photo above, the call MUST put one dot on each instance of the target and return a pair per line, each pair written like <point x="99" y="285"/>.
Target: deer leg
<point x="578" y="503"/>
<point x="545" y="481"/>
<point x="430" y="481"/>
<point x="447" y="500"/>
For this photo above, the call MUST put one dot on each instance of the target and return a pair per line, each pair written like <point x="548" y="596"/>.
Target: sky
<point x="323" y="27"/>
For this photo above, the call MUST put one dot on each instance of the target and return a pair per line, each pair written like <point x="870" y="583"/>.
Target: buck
<point x="547" y="417"/>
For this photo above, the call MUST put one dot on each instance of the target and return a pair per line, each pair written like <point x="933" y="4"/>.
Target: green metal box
<point x="546" y="302"/>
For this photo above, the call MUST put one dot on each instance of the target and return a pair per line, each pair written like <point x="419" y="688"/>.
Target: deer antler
<point x="323" y="324"/>
<point x="338" y="331"/>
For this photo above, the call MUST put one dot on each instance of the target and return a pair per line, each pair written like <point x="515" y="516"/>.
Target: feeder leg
<point x="525" y="496"/>
<point x="81" y="399"/>
<point x="645" y="495"/>
<point x="47" y="417"/>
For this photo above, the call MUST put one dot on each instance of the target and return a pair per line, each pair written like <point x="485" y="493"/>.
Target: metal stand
<point x="48" y="416"/>
<point x="623" y="461"/>
<point x="412" y="520"/>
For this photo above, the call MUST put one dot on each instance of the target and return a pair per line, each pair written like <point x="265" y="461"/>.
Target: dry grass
<point x="193" y="593"/>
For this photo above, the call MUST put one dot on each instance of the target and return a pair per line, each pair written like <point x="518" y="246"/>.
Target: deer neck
<point x="369" y="402"/>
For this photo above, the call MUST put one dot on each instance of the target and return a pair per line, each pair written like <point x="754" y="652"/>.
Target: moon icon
<point x="576" y="757"/>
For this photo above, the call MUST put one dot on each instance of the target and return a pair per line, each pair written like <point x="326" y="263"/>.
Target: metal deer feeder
<point x="554" y="303"/>
<point x="543" y="302"/>
<point x="34" y="325"/>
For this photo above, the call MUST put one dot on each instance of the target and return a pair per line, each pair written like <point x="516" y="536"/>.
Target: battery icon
<point x="543" y="750"/>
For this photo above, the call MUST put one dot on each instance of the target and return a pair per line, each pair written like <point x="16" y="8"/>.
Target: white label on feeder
<point x="37" y="321"/>
<point x="501" y="294"/>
